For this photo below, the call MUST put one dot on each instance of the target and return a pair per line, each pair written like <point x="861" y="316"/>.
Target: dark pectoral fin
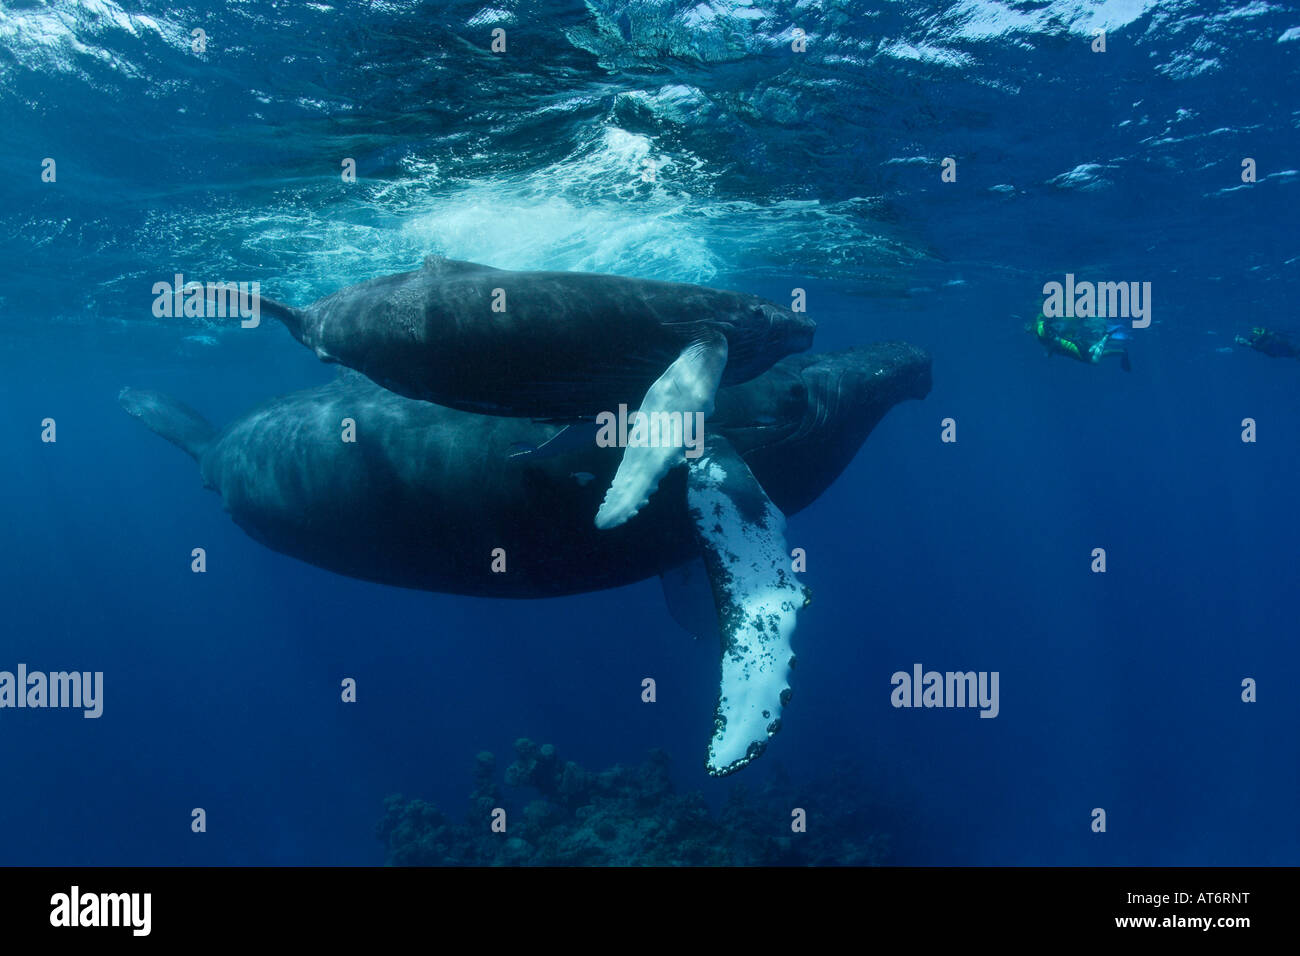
<point x="178" y="423"/>
<point x="689" y="595"/>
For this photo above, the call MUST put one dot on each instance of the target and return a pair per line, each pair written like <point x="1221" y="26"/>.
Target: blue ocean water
<point x="772" y="169"/>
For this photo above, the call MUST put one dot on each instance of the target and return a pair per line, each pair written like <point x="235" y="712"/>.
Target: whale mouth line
<point x="824" y="399"/>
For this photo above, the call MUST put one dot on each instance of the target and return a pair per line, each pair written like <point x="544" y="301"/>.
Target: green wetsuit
<point x="1271" y="343"/>
<point x="1046" y="332"/>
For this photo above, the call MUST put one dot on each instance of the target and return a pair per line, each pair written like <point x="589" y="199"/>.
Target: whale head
<point x="760" y="333"/>
<point x="788" y="331"/>
<point x="816" y="410"/>
<point x="785" y="331"/>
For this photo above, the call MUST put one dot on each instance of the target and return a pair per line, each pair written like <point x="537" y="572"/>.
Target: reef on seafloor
<point x="631" y="817"/>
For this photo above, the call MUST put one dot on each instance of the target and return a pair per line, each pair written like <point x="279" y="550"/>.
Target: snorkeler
<point x="1272" y="343"/>
<point x="1054" y="338"/>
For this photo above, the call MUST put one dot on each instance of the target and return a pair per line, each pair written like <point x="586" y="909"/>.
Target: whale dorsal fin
<point x="350" y="376"/>
<point x="757" y="596"/>
<point x="686" y="387"/>
<point x="441" y="265"/>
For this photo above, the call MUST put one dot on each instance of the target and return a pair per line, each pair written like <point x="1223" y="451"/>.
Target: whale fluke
<point x="178" y="423"/>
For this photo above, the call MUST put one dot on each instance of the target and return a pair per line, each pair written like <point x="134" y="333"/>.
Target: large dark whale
<point x="552" y="345"/>
<point x="425" y="494"/>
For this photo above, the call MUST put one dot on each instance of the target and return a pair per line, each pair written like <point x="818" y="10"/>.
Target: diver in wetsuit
<point x="1071" y="337"/>
<point x="1272" y="343"/>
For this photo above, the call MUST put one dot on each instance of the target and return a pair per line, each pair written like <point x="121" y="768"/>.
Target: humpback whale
<point x="419" y="473"/>
<point x="552" y="345"/>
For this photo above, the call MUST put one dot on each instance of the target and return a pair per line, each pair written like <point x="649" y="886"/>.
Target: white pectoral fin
<point x="670" y="408"/>
<point x="742" y="535"/>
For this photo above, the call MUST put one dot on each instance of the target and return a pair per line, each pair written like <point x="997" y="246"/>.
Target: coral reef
<point x="631" y="817"/>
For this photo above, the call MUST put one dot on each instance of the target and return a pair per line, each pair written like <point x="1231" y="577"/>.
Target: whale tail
<point x="179" y="424"/>
<point x="292" y="318"/>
